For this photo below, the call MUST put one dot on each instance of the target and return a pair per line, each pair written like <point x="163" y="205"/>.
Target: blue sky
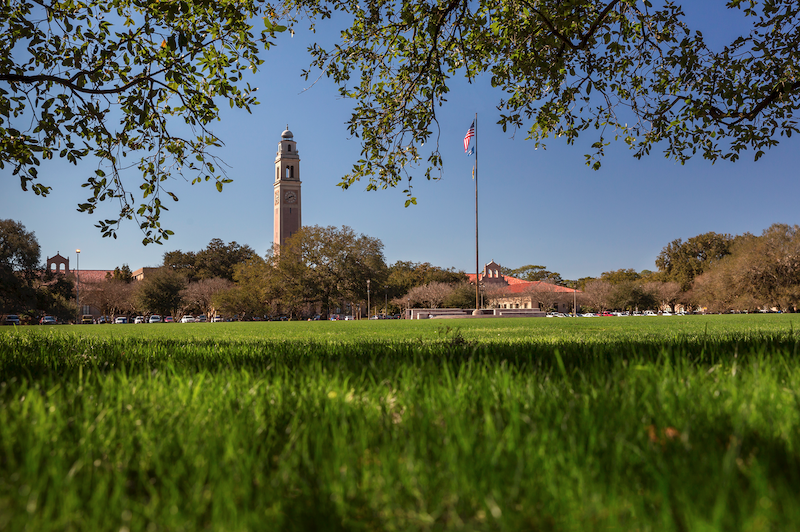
<point x="536" y="206"/>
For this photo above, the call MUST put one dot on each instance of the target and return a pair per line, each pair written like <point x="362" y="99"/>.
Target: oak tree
<point x="217" y="260"/>
<point x="161" y="292"/>
<point x="126" y="88"/>
<point x="628" y="70"/>
<point x="329" y="265"/>
<point x="681" y="261"/>
<point x="19" y="266"/>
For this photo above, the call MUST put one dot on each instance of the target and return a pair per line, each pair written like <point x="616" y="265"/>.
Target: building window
<point x="289" y="147"/>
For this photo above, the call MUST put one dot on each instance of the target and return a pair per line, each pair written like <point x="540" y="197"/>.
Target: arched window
<point x="289" y="147"/>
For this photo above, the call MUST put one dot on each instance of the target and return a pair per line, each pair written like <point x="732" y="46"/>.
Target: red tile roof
<point x="518" y="286"/>
<point x="531" y="285"/>
<point x="93" y="276"/>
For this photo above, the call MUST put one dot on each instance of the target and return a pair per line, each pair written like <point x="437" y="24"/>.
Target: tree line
<point x="327" y="270"/>
<point x="320" y="271"/>
<point x="710" y="272"/>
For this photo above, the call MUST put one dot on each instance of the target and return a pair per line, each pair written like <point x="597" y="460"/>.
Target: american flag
<point x="469" y="135"/>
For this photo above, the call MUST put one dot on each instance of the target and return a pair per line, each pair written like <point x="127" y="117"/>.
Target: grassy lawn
<point x="667" y="423"/>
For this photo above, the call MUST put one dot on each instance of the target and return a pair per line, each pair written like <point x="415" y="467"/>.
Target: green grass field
<point x="677" y="423"/>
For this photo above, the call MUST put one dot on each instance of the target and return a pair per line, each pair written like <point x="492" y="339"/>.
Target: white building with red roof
<point x="507" y="292"/>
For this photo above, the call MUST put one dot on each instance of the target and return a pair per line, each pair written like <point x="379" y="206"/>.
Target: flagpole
<point x="477" y="263"/>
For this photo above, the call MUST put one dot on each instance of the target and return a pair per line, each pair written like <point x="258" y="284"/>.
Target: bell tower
<point x="288" y="201"/>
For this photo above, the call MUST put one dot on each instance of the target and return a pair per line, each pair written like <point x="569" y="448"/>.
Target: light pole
<point x="575" y="299"/>
<point x="408" y="308"/>
<point x="368" y="308"/>
<point x="385" y="299"/>
<point x="78" y="288"/>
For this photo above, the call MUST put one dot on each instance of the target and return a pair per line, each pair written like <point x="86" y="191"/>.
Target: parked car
<point x="48" y="320"/>
<point x="139" y="319"/>
<point x="169" y="319"/>
<point x="87" y="319"/>
<point x="201" y="318"/>
<point x="217" y="319"/>
<point x="187" y="319"/>
<point x="11" y="319"/>
<point x="121" y="319"/>
<point x="155" y="318"/>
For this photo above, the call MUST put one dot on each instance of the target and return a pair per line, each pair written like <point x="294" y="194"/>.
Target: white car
<point x="217" y="319"/>
<point x="187" y="319"/>
<point x="155" y="318"/>
<point x="200" y="319"/>
<point x="121" y="319"/>
<point x="139" y="319"/>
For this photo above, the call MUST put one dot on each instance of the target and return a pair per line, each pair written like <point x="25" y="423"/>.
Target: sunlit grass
<point x="514" y="424"/>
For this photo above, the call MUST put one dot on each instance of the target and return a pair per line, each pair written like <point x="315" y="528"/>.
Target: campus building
<point x="507" y="292"/>
<point x="288" y="199"/>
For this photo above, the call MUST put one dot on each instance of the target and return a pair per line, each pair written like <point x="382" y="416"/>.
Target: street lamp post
<point x="408" y="308"/>
<point x="575" y="299"/>
<point x="78" y="287"/>
<point x="368" y="307"/>
<point x="385" y="300"/>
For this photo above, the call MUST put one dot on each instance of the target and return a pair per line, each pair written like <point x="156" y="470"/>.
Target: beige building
<point x="506" y="292"/>
<point x="288" y="200"/>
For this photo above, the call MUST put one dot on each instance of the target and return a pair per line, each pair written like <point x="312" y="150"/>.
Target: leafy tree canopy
<point x="217" y="260"/>
<point x="534" y="272"/>
<point x="106" y="81"/>
<point x="621" y="276"/>
<point x="681" y="261"/>
<point x="161" y="292"/>
<point x="613" y="69"/>
<point x="19" y="265"/>
<point x="759" y="272"/>
<point x="405" y="275"/>
<point x="123" y="274"/>
<point x="328" y="265"/>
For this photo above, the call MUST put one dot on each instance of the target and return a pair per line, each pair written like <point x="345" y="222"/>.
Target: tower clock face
<point x="290" y="197"/>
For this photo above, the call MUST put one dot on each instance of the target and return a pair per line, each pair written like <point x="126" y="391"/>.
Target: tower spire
<point x="287" y="218"/>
